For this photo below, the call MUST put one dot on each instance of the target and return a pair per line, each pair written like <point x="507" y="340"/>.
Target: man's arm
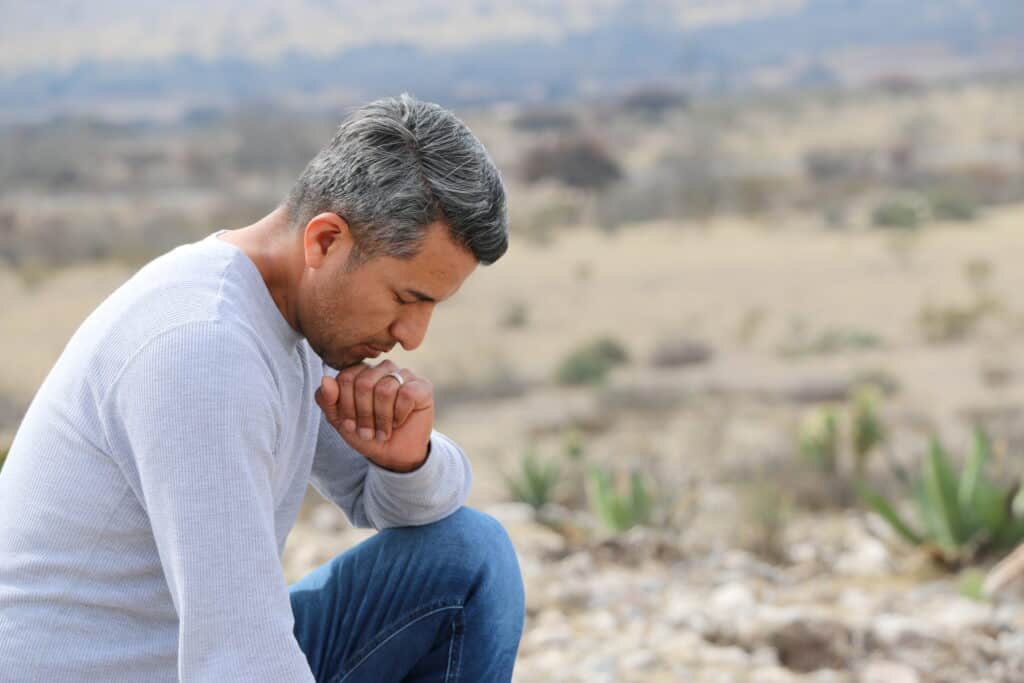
<point x="374" y="496"/>
<point x="198" y="412"/>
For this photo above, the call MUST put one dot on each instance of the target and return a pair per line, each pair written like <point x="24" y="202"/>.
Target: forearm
<point x="372" y="496"/>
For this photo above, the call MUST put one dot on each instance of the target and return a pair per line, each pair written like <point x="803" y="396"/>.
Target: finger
<point x="365" y="384"/>
<point x="384" y="394"/>
<point x="327" y="398"/>
<point x="346" y="398"/>
<point x="416" y="394"/>
<point x="404" y="404"/>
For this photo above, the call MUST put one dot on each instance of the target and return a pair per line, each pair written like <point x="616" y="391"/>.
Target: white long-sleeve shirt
<point x="149" y="489"/>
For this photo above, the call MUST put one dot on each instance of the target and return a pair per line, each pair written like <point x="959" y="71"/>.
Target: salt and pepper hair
<point x="395" y="166"/>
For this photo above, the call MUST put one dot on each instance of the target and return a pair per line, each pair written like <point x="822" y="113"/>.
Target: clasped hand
<point x="390" y="424"/>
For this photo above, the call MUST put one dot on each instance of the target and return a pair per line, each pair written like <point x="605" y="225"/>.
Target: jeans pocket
<point x="423" y="618"/>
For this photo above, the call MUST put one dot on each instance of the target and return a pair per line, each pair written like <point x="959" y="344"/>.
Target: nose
<point x="411" y="326"/>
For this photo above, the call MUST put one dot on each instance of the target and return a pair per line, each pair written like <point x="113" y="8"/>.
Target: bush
<point x="867" y="430"/>
<point x="766" y="509"/>
<point x="544" y="119"/>
<point x="620" y="509"/>
<point x="591" y="363"/>
<point x="953" y="205"/>
<point x="899" y="212"/>
<point x="940" y="324"/>
<point x="578" y="162"/>
<point x="959" y="518"/>
<point x="671" y="353"/>
<point x="513" y="316"/>
<point x="830" y="341"/>
<point x="536" y="481"/>
<point x="819" y="439"/>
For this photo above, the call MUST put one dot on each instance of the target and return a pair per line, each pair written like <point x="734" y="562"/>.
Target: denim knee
<point x="483" y="548"/>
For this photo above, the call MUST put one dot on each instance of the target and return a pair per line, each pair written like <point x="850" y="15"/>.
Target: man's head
<point x="395" y="213"/>
<point x="395" y="167"/>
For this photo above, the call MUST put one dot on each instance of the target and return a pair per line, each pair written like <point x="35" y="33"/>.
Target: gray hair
<point x="395" y="166"/>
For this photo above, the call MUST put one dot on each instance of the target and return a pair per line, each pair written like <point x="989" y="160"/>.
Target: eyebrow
<point x="421" y="296"/>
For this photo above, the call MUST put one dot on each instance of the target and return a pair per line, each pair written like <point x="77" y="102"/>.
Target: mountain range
<point x="147" y="58"/>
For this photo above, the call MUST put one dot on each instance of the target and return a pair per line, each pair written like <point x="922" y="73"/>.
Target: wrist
<point x="410" y="467"/>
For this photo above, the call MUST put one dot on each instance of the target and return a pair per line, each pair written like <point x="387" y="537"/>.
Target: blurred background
<point x="747" y="389"/>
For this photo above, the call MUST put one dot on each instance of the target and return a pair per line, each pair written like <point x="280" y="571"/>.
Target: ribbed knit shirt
<point x="150" y="487"/>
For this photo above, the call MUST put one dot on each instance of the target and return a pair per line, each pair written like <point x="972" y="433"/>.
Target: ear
<point x="327" y="237"/>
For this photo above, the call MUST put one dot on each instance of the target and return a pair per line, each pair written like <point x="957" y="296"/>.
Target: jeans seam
<point x="392" y="635"/>
<point x="454" y="651"/>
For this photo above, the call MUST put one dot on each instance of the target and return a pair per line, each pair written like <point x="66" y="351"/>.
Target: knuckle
<point x="387" y="390"/>
<point x="364" y="384"/>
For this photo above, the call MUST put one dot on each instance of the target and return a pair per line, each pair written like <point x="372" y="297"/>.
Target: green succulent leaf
<point x="880" y="505"/>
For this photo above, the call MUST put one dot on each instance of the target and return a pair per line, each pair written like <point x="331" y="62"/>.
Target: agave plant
<point x="960" y="517"/>
<point x="867" y="430"/>
<point x="536" y="481"/>
<point x="819" y="439"/>
<point x="620" y="510"/>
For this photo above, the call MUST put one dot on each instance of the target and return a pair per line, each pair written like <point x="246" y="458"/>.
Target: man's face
<point x="350" y="316"/>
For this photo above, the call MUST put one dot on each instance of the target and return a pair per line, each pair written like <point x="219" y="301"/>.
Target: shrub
<point x="898" y="212"/>
<point x="962" y="517"/>
<point x="819" y="439"/>
<point x="620" y="509"/>
<point x="535" y="483"/>
<point x="953" y="205"/>
<point x="671" y="353"/>
<point x="832" y="340"/>
<point x="590" y="363"/>
<point x="940" y="324"/>
<point x="544" y="119"/>
<point x="867" y="430"/>
<point x="513" y="316"/>
<point x="578" y="162"/>
<point x="767" y="509"/>
<point x="573" y="444"/>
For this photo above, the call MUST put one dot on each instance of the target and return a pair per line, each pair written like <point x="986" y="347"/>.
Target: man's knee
<point x="476" y="547"/>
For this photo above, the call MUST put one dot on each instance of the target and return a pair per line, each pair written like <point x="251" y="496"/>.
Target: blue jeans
<point x="438" y="602"/>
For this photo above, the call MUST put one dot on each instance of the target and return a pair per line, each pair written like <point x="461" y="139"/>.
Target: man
<point x="148" y="492"/>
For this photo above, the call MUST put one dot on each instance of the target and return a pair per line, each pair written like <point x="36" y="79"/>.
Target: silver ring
<point x="397" y="375"/>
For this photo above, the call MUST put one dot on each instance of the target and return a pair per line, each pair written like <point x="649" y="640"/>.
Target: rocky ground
<point x="644" y="606"/>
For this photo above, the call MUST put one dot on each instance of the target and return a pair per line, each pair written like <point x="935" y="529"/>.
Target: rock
<point x="773" y="674"/>
<point x="640" y="660"/>
<point x="1007" y="576"/>
<point x="735" y="598"/>
<point x="868" y="557"/>
<point x="958" y="614"/>
<point x="896" y="631"/>
<point x="510" y="512"/>
<point x="888" y="672"/>
<point x="811" y="644"/>
<point x="326" y="518"/>
<point x="729" y="655"/>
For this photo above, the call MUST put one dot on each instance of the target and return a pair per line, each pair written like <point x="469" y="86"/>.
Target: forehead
<point x="438" y="269"/>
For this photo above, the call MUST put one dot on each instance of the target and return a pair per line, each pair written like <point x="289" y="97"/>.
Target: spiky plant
<point x="960" y="517"/>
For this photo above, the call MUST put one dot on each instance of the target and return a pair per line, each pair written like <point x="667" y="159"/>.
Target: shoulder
<point x="207" y="355"/>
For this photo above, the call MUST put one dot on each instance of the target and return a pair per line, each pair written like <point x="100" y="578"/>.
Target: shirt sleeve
<point x="372" y="496"/>
<point x="199" y="411"/>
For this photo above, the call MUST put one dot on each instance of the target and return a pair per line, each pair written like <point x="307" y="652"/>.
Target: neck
<point x="277" y="253"/>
